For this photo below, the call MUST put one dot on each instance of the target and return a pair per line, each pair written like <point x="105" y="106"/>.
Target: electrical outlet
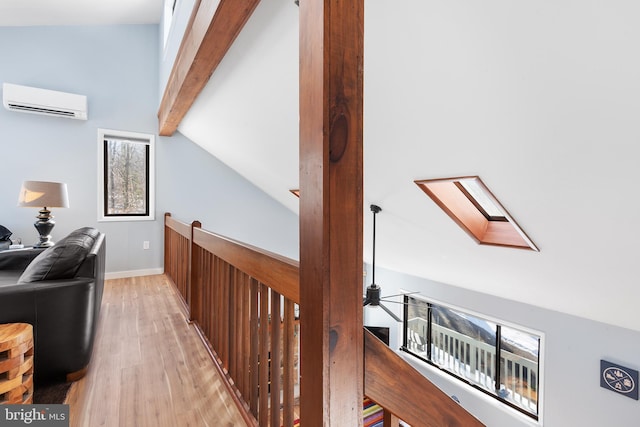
<point x="145" y="244"/>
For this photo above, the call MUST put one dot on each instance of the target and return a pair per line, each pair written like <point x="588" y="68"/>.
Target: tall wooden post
<point x="331" y="180"/>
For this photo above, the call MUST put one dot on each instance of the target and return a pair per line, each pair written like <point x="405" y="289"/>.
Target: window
<point x="169" y="11"/>
<point x="500" y="360"/>
<point x="126" y="176"/>
<point x="474" y="208"/>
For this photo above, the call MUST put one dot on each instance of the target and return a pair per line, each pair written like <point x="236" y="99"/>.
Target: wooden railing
<point x="177" y="247"/>
<point x="242" y="300"/>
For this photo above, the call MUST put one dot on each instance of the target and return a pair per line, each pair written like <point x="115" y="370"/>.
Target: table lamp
<point x="43" y="194"/>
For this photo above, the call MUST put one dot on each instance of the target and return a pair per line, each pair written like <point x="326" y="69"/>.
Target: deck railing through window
<point x="475" y="361"/>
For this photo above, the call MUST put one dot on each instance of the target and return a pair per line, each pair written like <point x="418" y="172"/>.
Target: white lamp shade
<point x="38" y="194"/>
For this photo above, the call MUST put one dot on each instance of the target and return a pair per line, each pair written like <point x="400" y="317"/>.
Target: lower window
<point x="502" y="361"/>
<point x="125" y="184"/>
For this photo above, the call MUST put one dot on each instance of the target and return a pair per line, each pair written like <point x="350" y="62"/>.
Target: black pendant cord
<point x="375" y="209"/>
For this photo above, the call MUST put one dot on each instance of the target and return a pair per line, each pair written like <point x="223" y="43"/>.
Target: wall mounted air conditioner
<point x="43" y="101"/>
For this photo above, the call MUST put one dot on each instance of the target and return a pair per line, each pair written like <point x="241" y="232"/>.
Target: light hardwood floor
<point x="149" y="367"/>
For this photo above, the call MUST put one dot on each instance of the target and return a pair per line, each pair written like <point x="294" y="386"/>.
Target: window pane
<point x="126" y="177"/>
<point x="519" y="368"/>
<point x="481" y="197"/>
<point x="417" y="321"/>
<point x="464" y="345"/>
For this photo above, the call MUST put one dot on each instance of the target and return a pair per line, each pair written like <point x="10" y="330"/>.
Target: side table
<point x="16" y="363"/>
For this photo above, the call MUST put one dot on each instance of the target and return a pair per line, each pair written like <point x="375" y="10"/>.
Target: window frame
<point x="142" y="138"/>
<point x="451" y="196"/>
<point x="497" y="372"/>
<point x="169" y="8"/>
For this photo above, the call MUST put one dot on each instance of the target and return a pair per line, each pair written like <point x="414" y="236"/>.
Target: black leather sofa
<point x="5" y="238"/>
<point x="59" y="292"/>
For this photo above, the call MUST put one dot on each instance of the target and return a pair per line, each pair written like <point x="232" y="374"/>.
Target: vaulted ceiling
<point x="541" y="100"/>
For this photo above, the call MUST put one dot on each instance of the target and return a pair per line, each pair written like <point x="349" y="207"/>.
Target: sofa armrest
<point x="18" y="259"/>
<point x="63" y="314"/>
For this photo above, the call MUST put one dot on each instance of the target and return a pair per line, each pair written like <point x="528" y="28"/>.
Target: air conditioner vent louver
<point x="43" y="101"/>
<point x="40" y="110"/>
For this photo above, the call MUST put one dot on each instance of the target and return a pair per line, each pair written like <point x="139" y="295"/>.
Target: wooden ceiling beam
<point x="212" y="29"/>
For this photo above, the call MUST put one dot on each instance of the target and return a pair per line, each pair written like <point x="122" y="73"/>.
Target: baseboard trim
<point x="133" y="273"/>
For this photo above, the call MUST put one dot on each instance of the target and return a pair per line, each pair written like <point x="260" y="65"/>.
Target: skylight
<point x="474" y="208"/>
<point x="477" y="195"/>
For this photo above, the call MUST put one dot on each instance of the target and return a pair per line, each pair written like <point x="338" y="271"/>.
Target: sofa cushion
<point x="4" y="233"/>
<point x="62" y="260"/>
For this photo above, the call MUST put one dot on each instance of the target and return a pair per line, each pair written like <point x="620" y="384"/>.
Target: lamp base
<point x="44" y="225"/>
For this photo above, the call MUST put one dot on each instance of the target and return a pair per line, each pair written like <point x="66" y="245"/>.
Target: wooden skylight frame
<point x="468" y="212"/>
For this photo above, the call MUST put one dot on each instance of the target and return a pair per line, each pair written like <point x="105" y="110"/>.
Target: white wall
<point x="573" y="348"/>
<point x="117" y="68"/>
<point x="194" y="185"/>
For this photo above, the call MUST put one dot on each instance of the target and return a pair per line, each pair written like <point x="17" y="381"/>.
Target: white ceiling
<point x="79" y="12"/>
<point x="541" y="100"/>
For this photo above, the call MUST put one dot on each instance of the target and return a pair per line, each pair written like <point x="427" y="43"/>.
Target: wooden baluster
<point x="179" y="254"/>
<point x="225" y="301"/>
<point x="167" y="244"/>
<point x="276" y="358"/>
<point x="231" y="328"/>
<point x="217" y="321"/>
<point x="190" y="248"/>
<point x="206" y="295"/>
<point x="263" y="411"/>
<point x="253" y="346"/>
<point x="195" y="285"/>
<point x="288" y="362"/>
<point x="214" y="311"/>
<point x="245" y="336"/>
<point x="389" y="420"/>
<point x="240" y="351"/>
